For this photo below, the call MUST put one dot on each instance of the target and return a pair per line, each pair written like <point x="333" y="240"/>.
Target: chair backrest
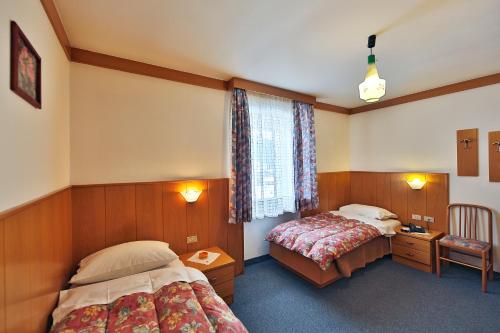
<point x="470" y="221"/>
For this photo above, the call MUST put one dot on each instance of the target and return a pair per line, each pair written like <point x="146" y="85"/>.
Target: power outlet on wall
<point x="428" y="219"/>
<point x="192" y="239"/>
<point x="416" y="217"/>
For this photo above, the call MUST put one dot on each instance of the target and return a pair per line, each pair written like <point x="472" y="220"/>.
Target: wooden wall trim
<point x="270" y="90"/>
<point x="19" y="208"/>
<point x="331" y="107"/>
<point x="136" y="67"/>
<point x="55" y="20"/>
<point x="444" y="90"/>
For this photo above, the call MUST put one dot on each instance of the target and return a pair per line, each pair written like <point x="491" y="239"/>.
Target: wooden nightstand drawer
<point x="412" y="254"/>
<point x="224" y="289"/>
<point x="220" y="275"/>
<point x="417" y="244"/>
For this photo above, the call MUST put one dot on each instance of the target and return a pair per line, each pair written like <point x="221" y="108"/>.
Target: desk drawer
<point x="413" y="243"/>
<point x="411" y="254"/>
<point x="220" y="275"/>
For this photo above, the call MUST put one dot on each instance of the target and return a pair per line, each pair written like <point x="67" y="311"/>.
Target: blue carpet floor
<point x="384" y="297"/>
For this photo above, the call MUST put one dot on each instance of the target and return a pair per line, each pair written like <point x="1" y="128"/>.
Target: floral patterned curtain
<point x="304" y="151"/>
<point x="240" y="183"/>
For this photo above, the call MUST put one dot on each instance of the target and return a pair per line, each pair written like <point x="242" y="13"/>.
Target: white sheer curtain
<point x="271" y="121"/>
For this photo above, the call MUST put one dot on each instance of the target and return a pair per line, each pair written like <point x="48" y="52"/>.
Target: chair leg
<point x="484" y="273"/>
<point x="438" y="260"/>
<point x="490" y="261"/>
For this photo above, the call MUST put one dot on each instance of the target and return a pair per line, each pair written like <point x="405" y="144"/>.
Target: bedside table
<point x="220" y="273"/>
<point x="414" y="249"/>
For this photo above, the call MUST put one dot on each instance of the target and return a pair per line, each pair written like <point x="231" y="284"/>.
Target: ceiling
<point x="316" y="47"/>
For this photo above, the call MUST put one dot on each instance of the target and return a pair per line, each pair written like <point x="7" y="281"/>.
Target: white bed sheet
<point x="108" y="291"/>
<point x="385" y="227"/>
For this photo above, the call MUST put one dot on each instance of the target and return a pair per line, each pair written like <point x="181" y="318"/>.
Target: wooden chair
<point x="465" y="240"/>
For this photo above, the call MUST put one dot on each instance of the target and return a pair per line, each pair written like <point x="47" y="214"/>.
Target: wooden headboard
<point x="108" y="214"/>
<point x="388" y="190"/>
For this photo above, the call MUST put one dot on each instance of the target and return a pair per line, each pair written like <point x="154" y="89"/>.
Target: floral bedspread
<point x="178" y="307"/>
<point x="323" y="237"/>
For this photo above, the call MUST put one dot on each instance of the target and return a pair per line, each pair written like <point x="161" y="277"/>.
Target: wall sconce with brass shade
<point x="416" y="182"/>
<point x="373" y="87"/>
<point x="191" y="195"/>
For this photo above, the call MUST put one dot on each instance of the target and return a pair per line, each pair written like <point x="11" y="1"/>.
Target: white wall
<point x="34" y="143"/>
<point x="128" y="128"/>
<point x="420" y="136"/>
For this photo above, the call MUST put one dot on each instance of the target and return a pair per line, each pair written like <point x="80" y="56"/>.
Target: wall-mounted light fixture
<point x="416" y="182"/>
<point x="191" y="195"/>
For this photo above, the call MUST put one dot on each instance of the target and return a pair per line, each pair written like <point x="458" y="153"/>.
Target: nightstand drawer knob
<point x="409" y="254"/>
<point x="410" y="243"/>
<point x="212" y="279"/>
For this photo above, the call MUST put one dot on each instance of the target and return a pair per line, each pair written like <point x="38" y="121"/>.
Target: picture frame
<point x="25" y="68"/>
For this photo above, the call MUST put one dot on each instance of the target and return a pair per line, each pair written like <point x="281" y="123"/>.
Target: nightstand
<point x="220" y="273"/>
<point x="415" y="250"/>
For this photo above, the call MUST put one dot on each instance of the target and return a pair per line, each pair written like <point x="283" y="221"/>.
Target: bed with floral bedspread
<point x="178" y="306"/>
<point x="324" y="237"/>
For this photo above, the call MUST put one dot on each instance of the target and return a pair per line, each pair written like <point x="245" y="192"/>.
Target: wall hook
<point x="497" y="143"/>
<point x="466" y="142"/>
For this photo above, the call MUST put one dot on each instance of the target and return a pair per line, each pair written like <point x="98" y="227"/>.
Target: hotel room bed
<point x="174" y="298"/>
<point x="328" y="246"/>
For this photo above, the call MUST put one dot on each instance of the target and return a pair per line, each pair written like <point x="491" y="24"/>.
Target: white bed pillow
<point x="122" y="260"/>
<point x="368" y="211"/>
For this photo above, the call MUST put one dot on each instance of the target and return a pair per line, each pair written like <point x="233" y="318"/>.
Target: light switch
<point x="416" y="217"/>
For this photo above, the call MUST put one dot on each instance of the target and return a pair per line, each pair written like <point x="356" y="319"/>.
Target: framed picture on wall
<point x="25" y="68"/>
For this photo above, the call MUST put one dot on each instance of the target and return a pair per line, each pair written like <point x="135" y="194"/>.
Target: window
<point x="271" y="121"/>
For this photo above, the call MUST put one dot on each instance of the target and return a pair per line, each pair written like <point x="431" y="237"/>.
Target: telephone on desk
<point x="413" y="228"/>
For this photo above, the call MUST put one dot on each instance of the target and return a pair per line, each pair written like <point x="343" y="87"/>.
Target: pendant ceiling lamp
<point x="373" y="87"/>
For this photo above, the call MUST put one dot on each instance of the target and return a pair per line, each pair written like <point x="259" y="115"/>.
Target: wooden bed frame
<point x="310" y="270"/>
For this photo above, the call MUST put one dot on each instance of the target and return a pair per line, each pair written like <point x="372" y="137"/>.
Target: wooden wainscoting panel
<point x="388" y="190"/>
<point x="2" y="278"/>
<point x="89" y="220"/>
<point x="417" y="203"/>
<point x="323" y="191"/>
<point x="333" y="195"/>
<point x="19" y="252"/>
<point x="468" y="153"/>
<point x="364" y="187"/>
<point x="235" y="246"/>
<point x="174" y="216"/>
<point x="340" y="189"/>
<point x="399" y="196"/>
<point x="149" y="211"/>
<point x="43" y="268"/>
<point x="197" y="216"/>
<point x="121" y="224"/>
<point x="383" y="198"/>
<point x="437" y="200"/>
<point x="218" y="212"/>
<point x="357" y="187"/>
<point x="494" y="155"/>
<point x="35" y="261"/>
